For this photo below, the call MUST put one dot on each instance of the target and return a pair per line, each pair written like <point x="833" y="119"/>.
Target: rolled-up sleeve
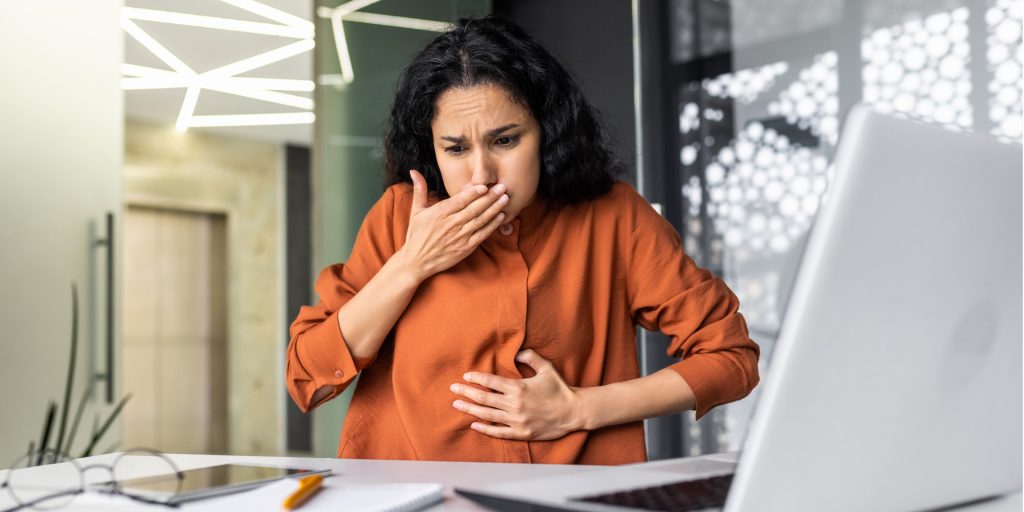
<point x="318" y="354"/>
<point x="671" y="294"/>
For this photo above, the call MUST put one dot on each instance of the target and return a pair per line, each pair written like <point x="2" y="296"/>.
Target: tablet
<point x="207" y="482"/>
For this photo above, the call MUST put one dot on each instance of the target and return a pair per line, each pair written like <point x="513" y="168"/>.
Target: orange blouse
<point x="570" y="283"/>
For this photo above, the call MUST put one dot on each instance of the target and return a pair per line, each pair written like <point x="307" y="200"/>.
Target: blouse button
<point x="506" y="229"/>
<point x="338" y="373"/>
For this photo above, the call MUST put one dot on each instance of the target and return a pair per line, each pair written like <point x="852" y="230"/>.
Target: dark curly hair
<point x="576" y="162"/>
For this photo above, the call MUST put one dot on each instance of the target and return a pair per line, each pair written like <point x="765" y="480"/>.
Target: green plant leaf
<point x="66" y="404"/>
<point x="78" y="417"/>
<point x="44" y="441"/>
<point x="106" y="425"/>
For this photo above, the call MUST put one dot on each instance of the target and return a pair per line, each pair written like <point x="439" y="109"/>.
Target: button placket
<point x="512" y="317"/>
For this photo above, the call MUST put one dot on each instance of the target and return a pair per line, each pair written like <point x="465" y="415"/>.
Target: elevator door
<point x="175" y="330"/>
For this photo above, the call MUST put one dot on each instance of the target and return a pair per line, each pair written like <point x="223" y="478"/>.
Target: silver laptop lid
<point x="896" y="381"/>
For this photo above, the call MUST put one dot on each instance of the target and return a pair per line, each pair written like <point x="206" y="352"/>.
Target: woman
<point x="491" y="299"/>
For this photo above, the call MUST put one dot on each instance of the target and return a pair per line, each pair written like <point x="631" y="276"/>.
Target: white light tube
<point x="347" y="12"/>
<point x="387" y="20"/>
<point x="156" y="48"/>
<point x="353" y="5"/>
<point x="228" y="85"/>
<point x="187" y="107"/>
<point x="271" y="13"/>
<point x="195" y="20"/>
<point x="262" y="59"/>
<point x="161" y="79"/>
<point x="271" y="84"/>
<point x="253" y="119"/>
<point x="280" y="98"/>
<point x="341" y="46"/>
<point x="398" y="21"/>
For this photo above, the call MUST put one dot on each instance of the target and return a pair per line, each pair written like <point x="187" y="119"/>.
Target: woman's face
<point x="483" y="137"/>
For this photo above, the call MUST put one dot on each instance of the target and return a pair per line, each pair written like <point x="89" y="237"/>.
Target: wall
<point x="576" y="32"/>
<point x="61" y="117"/>
<point x="242" y="179"/>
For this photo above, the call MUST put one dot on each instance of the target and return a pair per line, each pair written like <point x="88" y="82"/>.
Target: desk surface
<point x="450" y="474"/>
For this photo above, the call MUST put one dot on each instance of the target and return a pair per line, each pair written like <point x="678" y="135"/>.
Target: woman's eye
<point x="455" y="150"/>
<point x="505" y="141"/>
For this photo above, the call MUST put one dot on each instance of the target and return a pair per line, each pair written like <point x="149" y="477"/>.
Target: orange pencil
<point x="307" y="487"/>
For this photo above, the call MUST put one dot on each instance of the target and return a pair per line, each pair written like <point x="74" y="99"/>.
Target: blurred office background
<point x="235" y="146"/>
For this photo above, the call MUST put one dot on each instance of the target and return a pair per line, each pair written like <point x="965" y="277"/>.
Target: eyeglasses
<point x="49" y="480"/>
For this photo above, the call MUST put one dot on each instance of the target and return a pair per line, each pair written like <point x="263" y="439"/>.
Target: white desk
<point x="450" y="474"/>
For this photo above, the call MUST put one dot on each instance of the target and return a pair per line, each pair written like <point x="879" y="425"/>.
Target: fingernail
<point x="503" y="198"/>
<point x="500" y="188"/>
<point x="456" y="388"/>
<point x="467" y="376"/>
<point x="480" y="189"/>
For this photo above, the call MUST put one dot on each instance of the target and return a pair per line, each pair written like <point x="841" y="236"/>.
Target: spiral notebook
<point x="333" y="496"/>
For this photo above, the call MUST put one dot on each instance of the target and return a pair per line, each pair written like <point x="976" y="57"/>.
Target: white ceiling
<point x="203" y="49"/>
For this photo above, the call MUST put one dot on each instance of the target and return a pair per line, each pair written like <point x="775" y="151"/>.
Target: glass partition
<point x="753" y="96"/>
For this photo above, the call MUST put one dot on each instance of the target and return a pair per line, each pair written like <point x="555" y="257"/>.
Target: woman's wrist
<point x="406" y="268"/>
<point x="583" y="409"/>
<point x="663" y="392"/>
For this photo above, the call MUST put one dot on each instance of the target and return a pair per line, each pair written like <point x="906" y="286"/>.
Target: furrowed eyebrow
<point x="498" y="130"/>
<point x="489" y="133"/>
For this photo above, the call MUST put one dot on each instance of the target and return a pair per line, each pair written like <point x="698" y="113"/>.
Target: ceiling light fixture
<point x="223" y="79"/>
<point x="233" y="25"/>
<point x="348" y="12"/>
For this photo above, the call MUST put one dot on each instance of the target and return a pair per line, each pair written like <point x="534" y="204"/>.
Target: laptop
<point x="896" y="378"/>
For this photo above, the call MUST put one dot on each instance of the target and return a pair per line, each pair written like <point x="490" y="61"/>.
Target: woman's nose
<point x="484" y="171"/>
